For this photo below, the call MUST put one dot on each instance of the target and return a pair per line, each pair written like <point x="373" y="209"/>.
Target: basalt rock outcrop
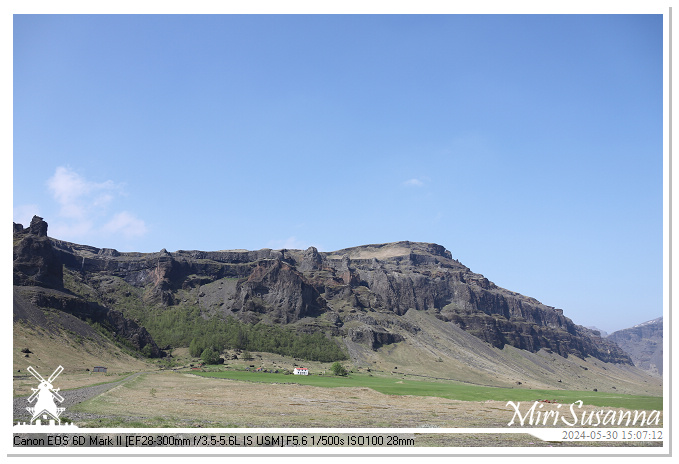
<point x="38" y="282"/>
<point x="360" y="293"/>
<point x="35" y="262"/>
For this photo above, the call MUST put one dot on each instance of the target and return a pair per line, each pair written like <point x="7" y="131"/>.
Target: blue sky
<point x="531" y="146"/>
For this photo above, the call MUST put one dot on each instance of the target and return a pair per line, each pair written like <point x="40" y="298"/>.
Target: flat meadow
<point x="447" y="389"/>
<point x="236" y="399"/>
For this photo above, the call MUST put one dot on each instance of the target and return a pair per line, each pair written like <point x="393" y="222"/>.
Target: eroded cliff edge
<point x="359" y="293"/>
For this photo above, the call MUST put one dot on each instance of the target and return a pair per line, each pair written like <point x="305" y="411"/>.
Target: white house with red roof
<point x="301" y="371"/>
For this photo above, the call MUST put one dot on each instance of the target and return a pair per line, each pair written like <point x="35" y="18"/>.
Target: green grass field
<point x="449" y="389"/>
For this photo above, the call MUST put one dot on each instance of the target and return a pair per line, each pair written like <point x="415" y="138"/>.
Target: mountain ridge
<point x="644" y="343"/>
<point x="357" y="293"/>
<point x="401" y="308"/>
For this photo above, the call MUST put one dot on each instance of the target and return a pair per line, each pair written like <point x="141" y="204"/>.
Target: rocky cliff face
<point x="35" y="262"/>
<point x="358" y="293"/>
<point x="38" y="278"/>
<point x="643" y="343"/>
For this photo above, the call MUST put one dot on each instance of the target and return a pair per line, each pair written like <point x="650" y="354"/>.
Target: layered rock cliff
<point x="359" y="293"/>
<point x="39" y="281"/>
<point x="644" y="344"/>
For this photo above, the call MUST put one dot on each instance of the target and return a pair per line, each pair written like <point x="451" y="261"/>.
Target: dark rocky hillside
<point x="643" y="343"/>
<point x="38" y="283"/>
<point x="360" y="294"/>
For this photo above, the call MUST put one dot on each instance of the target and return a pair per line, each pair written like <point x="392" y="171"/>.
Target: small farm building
<point x="301" y="371"/>
<point x="99" y="369"/>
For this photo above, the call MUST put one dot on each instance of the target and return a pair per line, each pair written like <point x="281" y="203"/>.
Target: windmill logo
<point x="45" y="407"/>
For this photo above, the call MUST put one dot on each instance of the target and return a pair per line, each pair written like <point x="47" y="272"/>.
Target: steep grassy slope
<point x="443" y="350"/>
<point x="56" y="338"/>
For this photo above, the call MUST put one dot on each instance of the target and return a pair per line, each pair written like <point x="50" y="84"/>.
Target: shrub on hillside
<point x="210" y="356"/>
<point x="338" y="369"/>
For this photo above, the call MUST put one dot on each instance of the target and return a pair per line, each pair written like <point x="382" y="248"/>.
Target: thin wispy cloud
<point x="415" y="182"/>
<point x="78" y="197"/>
<point x="126" y="224"/>
<point x="85" y="208"/>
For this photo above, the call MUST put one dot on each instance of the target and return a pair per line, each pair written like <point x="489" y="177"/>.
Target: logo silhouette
<point x="46" y="394"/>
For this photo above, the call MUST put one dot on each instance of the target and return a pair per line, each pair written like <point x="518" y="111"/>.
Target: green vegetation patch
<point x="220" y="334"/>
<point x="185" y="325"/>
<point x="449" y="390"/>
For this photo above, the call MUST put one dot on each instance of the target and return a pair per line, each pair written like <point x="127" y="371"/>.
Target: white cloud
<point x="77" y="196"/>
<point x="415" y="182"/>
<point x="85" y="205"/>
<point x="102" y="200"/>
<point x="125" y="224"/>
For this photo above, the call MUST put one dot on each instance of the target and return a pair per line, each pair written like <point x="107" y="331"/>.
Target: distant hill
<point x="643" y="343"/>
<point x="603" y="333"/>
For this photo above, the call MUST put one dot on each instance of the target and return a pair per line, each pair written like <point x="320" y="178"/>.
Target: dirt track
<point x="71" y="398"/>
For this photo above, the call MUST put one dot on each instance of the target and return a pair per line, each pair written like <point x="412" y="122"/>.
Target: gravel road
<point x="71" y="397"/>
